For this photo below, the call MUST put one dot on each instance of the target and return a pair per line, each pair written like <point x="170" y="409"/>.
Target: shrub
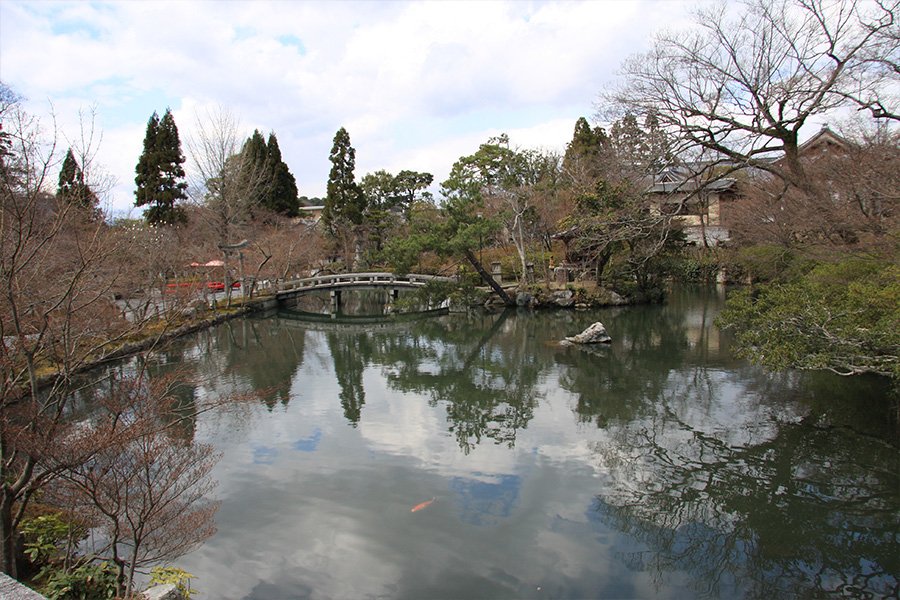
<point x="88" y="581"/>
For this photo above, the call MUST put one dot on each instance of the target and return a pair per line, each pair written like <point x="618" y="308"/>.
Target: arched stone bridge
<point x="335" y="284"/>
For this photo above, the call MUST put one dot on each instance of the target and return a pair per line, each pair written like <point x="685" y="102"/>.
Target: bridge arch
<point x="335" y="284"/>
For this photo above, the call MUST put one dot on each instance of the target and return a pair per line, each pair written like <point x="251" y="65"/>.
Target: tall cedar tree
<point x="583" y="154"/>
<point x="283" y="197"/>
<point x="344" y="203"/>
<point x="72" y="187"/>
<point x="160" y="173"/>
<point x="277" y="188"/>
<point x="253" y="178"/>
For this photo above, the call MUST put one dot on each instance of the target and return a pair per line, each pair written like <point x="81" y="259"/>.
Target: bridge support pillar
<point x="335" y="300"/>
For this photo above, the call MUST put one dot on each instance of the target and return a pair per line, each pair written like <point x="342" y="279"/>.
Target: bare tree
<point x="855" y="209"/>
<point x="145" y="488"/>
<point x="227" y="186"/>
<point x="744" y="85"/>
<point x="58" y="267"/>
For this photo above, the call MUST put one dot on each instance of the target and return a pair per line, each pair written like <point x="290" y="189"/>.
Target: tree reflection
<point x="351" y="353"/>
<point x="742" y="482"/>
<point x="259" y="354"/>
<point x="482" y="368"/>
<point x="796" y="516"/>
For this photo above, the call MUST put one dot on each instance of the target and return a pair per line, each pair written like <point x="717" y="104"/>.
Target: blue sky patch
<point x="264" y="455"/>
<point x="483" y="502"/>
<point x="294" y="41"/>
<point x="308" y="444"/>
<point x="243" y="32"/>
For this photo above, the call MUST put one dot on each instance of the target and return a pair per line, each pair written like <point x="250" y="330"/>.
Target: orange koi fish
<point x="421" y="506"/>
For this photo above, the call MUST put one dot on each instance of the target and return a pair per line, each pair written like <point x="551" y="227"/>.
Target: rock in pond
<point x="595" y="334"/>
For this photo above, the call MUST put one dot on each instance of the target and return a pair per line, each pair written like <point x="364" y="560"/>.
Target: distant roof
<point x="823" y="137"/>
<point x="691" y="185"/>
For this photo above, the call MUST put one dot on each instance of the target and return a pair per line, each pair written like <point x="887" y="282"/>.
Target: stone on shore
<point x="166" y="591"/>
<point x="595" y="334"/>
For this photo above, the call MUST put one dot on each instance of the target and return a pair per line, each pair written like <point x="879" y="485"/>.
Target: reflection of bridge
<point x="335" y="284"/>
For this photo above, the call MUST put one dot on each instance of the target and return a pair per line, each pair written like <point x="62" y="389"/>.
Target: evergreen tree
<point x="267" y="177"/>
<point x="160" y="172"/>
<point x="72" y="187"/>
<point x="254" y="156"/>
<point x="282" y="194"/>
<point x="411" y="187"/>
<point x="253" y="180"/>
<point x="147" y="168"/>
<point x="344" y="202"/>
<point x="584" y="153"/>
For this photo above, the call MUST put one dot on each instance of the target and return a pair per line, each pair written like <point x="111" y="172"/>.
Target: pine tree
<point x="344" y="201"/>
<point x="160" y="173"/>
<point x="72" y="187"/>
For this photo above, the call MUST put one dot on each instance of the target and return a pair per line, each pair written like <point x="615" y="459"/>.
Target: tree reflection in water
<point x="481" y="368"/>
<point x="732" y="480"/>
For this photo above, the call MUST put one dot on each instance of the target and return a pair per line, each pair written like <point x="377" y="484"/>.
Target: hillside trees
<point x="411" y="188"/>
<point x="742" y="86"/>
<point x="583" y="156"/>
<point x="835" y="305"/>
<point x="160" y="172"/>
<point x="457" y="229"/>
<point x="381" y="200"/>
<point x="230" y="182"/>
<point x="389" y="202"/>
<point x="282" y="198"/>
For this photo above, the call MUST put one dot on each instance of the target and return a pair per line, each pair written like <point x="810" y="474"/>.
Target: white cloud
<point x="416" y="84"/>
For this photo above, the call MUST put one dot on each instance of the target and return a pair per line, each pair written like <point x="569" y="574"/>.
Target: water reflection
<point x="658" y="465"/>
<point x="480" y="369"/>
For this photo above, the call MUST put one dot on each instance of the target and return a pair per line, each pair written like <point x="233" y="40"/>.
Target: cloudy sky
<point x="416" y="84"/>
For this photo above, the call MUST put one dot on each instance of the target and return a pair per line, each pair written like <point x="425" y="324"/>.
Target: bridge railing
<point x="356" y="279"/>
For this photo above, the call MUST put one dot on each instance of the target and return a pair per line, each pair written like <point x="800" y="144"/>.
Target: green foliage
<point x="265" y="172"/>
<point x="88" y="581"/>
<point x="345" y="202"/>
<point x="46" y="534"/>
<point x="456" y="229"/>
<point x="615" y="229"/>
<point x="584" y="153"/>
<point x="179" y="577"/>
<point x="772" y="263"/>
<point x="385" y="192"/>
<point x="842" y="316"/>
<point x="160" y="172"/>
<point x="700" y="268"/>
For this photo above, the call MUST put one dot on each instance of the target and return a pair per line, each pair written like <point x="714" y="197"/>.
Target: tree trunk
<point x="486" y="277"/>
<point x="7" y="536"/>
<point x="602" y="259"/>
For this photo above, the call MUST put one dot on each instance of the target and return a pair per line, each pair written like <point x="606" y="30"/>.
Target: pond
<point x="656" y="466"/>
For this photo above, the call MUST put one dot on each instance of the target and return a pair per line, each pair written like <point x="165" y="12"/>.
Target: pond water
<point x="655" y="467"/>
